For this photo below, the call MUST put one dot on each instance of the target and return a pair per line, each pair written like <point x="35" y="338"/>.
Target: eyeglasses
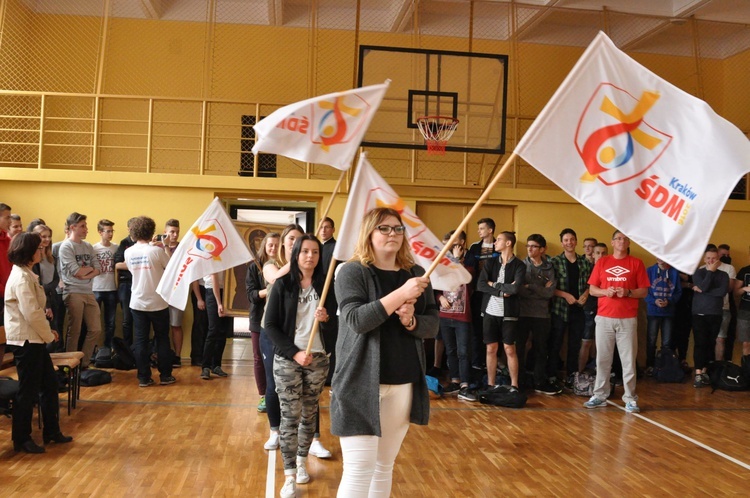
<point x="387" y="229"/>
<point x="532" y="246"/>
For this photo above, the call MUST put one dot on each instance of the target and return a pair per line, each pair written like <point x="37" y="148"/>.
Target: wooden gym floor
<point x="204" y="438"/>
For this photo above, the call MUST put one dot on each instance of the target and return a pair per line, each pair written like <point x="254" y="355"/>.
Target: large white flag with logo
<point x="369" y="190"/>
<point x="652" y="160"/>
<point x="324" y="130"/>
<point x="211" y="245"/>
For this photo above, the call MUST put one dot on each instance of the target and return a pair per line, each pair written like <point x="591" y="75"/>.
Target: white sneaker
<point x="318" y="450"/>
<point x="302" y="476"/>
<point x="273" y="441"/>
<point x="289" y="490"/>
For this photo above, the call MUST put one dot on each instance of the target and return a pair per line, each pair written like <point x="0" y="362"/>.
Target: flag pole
<point x="471" y="213"/>
<point x="331" y="267"/>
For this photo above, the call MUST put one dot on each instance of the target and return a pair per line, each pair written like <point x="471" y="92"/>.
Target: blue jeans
<point x="457" y="338"/>
<point x="123" y="293"/>
<point x="142" y="322"/>
<point x="109" y="298"/>
<point x="655" y="323"/>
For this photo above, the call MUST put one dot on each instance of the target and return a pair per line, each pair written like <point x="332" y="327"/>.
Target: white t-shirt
<point x="147" y="264"/>
<point x="106" y="280"/>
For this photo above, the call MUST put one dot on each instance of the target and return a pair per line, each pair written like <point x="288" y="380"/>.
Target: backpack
<point x="103" y="358"/>
<point x="727" y="376"/>
<point x="668" y="367"/>
<point x="92" y="377"/>
<point x="508" y="400"/>
<point x="583" y="384"/>
<point x="122" y="356"/>
<point x="433" y="387"/>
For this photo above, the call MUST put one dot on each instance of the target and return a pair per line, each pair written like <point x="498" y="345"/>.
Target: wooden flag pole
<point x="331" y="267"/>
<point x="471" y="213"/>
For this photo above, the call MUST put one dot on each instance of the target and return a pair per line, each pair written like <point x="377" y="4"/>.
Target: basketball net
<point x="437" y="130"/>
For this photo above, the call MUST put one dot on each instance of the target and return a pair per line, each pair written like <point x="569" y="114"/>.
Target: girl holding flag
<point x="387" y="307"/>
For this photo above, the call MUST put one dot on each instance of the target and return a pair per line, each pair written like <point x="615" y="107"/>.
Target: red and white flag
<point x="652" y="160"/>
<point x="323" y="130"/>
<point x="369" y="190"/>
<point x="211" y="245"/>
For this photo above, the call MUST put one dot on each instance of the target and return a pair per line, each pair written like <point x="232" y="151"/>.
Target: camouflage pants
<point x="299" y="389"/>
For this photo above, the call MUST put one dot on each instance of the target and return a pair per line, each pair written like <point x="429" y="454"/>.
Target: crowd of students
<point x="375" y="323"/>
<point x="592" y="298"/>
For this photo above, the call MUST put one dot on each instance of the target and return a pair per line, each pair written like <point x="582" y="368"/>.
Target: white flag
<point x="211" y="245"/>
<point x="324" y="130"/>
<point x="369" y="190"/>
<point x="652" y="160"/>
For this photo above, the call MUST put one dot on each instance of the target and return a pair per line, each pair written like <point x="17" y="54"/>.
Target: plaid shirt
<point x="560" y="305"/>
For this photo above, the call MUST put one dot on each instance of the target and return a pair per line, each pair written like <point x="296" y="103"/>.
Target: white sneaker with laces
<point x="289" y="490"/>
<point x="302" y="476"/>
<point x="273" y="441"/>
<point x="318" y="450"/>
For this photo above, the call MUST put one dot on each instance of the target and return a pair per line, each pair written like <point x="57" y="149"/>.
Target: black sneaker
<point x="145" y="382"/>
<point x="452" y="388"/>
<point x="165" y="381"/>
<point x="218" y="371"/>
<point x="547" y="388"/>
<point x="466" y="395"/>
<point x="206" y="373"/>
<point x="177" y="362"/>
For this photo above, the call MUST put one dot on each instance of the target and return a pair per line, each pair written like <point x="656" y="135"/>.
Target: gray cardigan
<point x="355" y="398"/>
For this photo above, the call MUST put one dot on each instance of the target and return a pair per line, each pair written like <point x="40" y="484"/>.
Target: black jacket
<point x="254" y="283"/>
<point x="515" y="277"/>
<point x="281" y="313"/>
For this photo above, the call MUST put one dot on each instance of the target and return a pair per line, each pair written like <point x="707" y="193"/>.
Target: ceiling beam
<point x="402" y="17"/>
<point x="686" y="8"/>
<point x="275" y="12"/>
<point x="655" y="30"/>
<point x="537" y="18"/>
<point x="151" y="8"/>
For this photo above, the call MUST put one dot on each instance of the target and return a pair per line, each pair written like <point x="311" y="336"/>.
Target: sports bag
<point x="92" y="377"/>
<point x="727" y="376"/>
<point x="583" y="384"/>
<point x="515" y="399"/>
<point x="668" y="367"/>
<point x="103" y="358"/>
<point x="122" y="356"/>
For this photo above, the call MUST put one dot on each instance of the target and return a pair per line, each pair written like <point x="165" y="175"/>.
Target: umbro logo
<point x="617" y="271"/>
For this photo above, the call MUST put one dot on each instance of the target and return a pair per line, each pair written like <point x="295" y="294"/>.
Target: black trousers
<point x="37" y="380"/>
<point x="199" y="329"/>
<point x="218" y="329"/>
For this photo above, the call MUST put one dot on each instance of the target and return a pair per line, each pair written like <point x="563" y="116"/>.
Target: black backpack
<point x="92" y="377"/>
<point x="727" y="376"/>
<point x="122" y="356"/>
<point x="515" y="399"/>
<point x="668" y="367"/>
<point x="103" y="358"/>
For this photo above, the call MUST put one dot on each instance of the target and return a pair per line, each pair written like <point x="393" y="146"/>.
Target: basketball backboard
<point x="470" y="87"/>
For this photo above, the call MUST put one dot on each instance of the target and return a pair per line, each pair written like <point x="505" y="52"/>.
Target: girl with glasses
<point x="386" y="308"/>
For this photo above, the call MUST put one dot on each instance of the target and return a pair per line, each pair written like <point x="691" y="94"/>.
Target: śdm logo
<point x="211" y="241"/>
<point x="626" y="146"/>
<point x="341" y="120"/>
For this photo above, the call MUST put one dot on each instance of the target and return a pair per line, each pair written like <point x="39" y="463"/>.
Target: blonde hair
<point x="48" y="250"/>
<point x="364" y="252"/>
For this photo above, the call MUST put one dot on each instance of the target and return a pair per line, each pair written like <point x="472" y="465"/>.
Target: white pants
<point x="624" y="333"/>
<point x="368" y="460"/>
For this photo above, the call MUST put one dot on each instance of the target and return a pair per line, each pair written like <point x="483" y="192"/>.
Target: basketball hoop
<point x="437" y="130"/>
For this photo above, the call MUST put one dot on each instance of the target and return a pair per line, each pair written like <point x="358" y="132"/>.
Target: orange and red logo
<point x="211" y="240"/>
<point x="627" y="145"/>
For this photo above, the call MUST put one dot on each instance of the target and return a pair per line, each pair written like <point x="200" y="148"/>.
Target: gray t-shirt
<point x="306" y="305"/>
<point x="73" y="257"/>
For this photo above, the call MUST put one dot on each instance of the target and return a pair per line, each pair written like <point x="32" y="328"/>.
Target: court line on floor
<point x="683" y="436"/>
<point x="271" y="474"/>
